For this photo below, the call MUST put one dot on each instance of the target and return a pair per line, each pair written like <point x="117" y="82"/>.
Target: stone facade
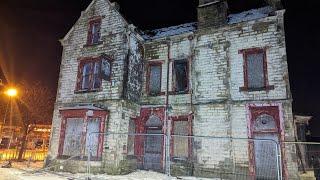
<point x="217" y="100"/>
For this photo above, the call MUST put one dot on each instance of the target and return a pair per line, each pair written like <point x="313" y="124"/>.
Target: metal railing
<point x="12" y="154"/>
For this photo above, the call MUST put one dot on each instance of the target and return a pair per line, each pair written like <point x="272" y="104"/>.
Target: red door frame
<point x="82" y="113"/>
<point x="274" y="110"/>
<point x="140" y="122"/>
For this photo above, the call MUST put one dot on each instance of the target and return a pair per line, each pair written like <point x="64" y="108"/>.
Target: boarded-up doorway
<point x="265" y="126"/>
<point x="153" y="144"/>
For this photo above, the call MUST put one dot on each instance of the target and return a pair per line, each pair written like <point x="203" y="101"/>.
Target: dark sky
<point x="30" y="30"/>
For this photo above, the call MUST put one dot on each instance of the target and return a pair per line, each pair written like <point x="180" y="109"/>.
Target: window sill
<point x="94" y="44"/>
<point x="158" y="94"/>
<point x="247" y="89"/>
<point x="87" y="91"/>
<point x="178" y="92"/>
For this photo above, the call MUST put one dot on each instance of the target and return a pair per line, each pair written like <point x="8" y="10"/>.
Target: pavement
<point x="16" y="174"/>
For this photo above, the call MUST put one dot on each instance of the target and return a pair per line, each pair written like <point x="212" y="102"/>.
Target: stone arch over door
<point x="149" y="147"/>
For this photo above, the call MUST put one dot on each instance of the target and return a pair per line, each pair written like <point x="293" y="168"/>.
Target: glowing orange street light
<point x="11" y="92"/>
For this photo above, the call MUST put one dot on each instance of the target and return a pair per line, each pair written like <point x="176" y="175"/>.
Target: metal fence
<point x="12" y="154"/>
<point x="305" y="162"/>
<point x="186" y="156"/>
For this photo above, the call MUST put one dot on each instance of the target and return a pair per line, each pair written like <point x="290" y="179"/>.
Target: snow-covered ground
<point x="32" y="171"/>
<point x="18" y="174"/>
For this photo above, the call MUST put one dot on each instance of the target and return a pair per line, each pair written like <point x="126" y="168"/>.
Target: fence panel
<point x="188" y="156"/>
<point x="224" y="158"/>
<point x="125" y="153"/>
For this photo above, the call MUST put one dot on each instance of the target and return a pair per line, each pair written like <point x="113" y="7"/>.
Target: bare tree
<point x="35" y="106"/>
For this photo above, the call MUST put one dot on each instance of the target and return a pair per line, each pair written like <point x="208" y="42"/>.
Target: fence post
<point x="88" y="149"/>
<point x="279" y="161"/>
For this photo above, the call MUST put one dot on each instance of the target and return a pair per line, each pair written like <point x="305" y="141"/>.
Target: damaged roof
<point x="169" y="31"/>
<point x="191" y="27"/>
<point x="250" y="15"/>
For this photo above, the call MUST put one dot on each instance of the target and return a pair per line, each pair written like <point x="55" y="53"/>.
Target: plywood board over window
<point x="154" y="75"/>
<point x="255" y="70"/>
<point x="80" y="132"/>
<point x="72" y="142"/>
<point x="181" y="143"/>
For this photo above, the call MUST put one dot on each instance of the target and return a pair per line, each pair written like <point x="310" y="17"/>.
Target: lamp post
<point x="11" y="93"/>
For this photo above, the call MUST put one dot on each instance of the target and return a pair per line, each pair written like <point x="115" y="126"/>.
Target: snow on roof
<point x="190" y="27"/>
<point x="250" y="15"/>
<point x="169" y="31"/>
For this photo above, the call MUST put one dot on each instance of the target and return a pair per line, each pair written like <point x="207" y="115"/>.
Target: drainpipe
<point x="167" y="121"/>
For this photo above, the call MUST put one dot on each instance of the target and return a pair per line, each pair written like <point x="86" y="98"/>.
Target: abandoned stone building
<point x="225" y="75"/>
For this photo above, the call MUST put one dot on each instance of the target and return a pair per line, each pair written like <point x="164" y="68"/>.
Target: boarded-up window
<point x="154" y="79"/>
<point x="180" y="144"/>
<point x="181" y="76"/>
<point x="131" y="137"/>
<point x="255" y="70"/>
<point x="72" y="141"/>
<point x="92" y="141"/>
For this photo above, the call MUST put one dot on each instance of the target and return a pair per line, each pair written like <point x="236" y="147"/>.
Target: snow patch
<point x="169" y="31"/>
<point x="250" y="15"/>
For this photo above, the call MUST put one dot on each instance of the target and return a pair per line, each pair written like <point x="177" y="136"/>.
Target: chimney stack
<point x="212" y="13"/>
<point x="276" y="4"/>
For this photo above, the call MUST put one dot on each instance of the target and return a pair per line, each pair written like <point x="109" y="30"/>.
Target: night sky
<point x="30" y="30"/>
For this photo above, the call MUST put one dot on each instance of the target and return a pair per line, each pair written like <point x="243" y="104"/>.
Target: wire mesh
<point x="190" y="156"/>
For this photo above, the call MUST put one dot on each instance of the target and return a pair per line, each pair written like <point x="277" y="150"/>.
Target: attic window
<point x="94" y="32"/>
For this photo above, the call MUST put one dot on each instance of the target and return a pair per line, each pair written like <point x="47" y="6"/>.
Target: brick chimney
<point x="212" y="13"/>
<point x="276" y="4"/>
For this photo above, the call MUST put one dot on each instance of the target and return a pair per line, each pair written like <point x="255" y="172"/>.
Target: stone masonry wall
<point x="216" y="75"/>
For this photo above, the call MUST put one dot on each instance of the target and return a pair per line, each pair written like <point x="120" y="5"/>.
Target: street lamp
<point x="11" y="92"/>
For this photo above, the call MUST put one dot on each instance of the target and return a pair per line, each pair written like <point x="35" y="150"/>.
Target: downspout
<point x="167" y="121"/>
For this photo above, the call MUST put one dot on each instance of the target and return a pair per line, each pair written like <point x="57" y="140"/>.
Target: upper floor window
<point x="180" y="76"/>
<point x="255" y="69"/>
<point x="94" y="32"/>
<point x="154" y="79"/>
<point x="91" y="72"/>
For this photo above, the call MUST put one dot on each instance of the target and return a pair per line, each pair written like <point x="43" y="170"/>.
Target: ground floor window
<point x="80" y="133"/>
<point x="181" y="143"/>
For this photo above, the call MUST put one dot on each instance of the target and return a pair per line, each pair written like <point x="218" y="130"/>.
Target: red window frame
<point x="92" y="62"/>
<point x="182" y="118"/>
<point x="156" y="63"/>
<point x="174" y="81"/>
<point x="90" y="36"/>
<point x="245" y="53"/>
<point x="82" y="113"/>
